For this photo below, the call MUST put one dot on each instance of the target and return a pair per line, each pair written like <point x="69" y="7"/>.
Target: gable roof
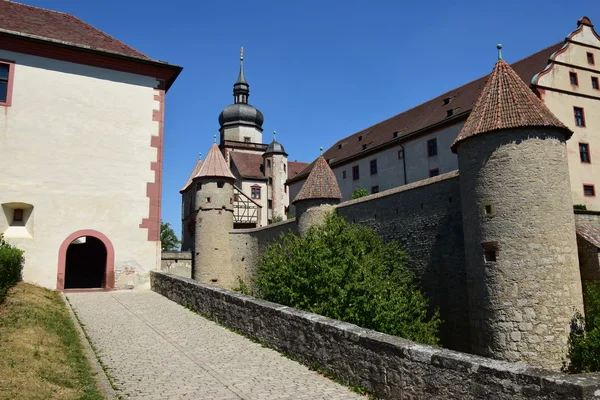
<point x="59" y="26"/>
<point x="507" y="102"/>
<point x="249" y="165"/>
<point x="214" y="165"/>
<point x="192" y="176"/>
<point x="321" y="183"/>
<point x="430" y="115"/>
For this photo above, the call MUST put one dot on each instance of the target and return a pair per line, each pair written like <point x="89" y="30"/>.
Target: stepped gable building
<point x="415" y="144"/>
<point x="82" y="128"/>
<point x="260" y="170"/>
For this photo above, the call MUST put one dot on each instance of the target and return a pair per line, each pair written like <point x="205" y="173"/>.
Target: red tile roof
<point x="214" y="165"/>
<point x="249" y="165"/>
<point x="192" y="176"/>
<point x="58" y="26"/>
<point x="591" y="233"/>
<point x="321" y="183"/>
<point x="295" y="167"/>
<point x="429" y="115"/>
<point x="507" y="102"/>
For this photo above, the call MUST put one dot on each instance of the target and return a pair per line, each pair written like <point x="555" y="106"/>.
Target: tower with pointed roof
<point x="318" y="196"/>
<point x="521" y="254"/>
<point x="214" y="220"/>
<point x="240" y="121"/>
<point x="275" y="166"/>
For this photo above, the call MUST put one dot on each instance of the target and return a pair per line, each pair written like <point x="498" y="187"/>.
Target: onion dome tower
<point x="522" y="268"/>
<point x="275" y="166"/>
<point x="241" y="122"/>
<point x="318" y="196"/>
<point x="214" y="220"/>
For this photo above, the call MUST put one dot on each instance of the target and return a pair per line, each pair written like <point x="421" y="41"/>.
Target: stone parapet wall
<point x="390" y="367"/>
<point x="177" y="263"/>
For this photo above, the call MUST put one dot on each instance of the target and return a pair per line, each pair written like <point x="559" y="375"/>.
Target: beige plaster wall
<point x="238" y="133"/>
<point x="75" y="144"/>
<point x="560" y="96"/>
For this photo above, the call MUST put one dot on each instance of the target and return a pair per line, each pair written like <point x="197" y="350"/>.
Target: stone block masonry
<point x="177" y="263"/>
<point x="390" y="367"/>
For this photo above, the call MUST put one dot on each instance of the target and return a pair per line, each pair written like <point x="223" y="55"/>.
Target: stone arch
<point x="109" y="281"/>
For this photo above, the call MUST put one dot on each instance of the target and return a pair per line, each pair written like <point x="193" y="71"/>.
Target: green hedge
<point x="346" y="272"/>
<point x="11" y="265"/>
<point x="584" y="340"/>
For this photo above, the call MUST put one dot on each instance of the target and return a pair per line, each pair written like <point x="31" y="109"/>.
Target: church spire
<point x="241" y="89"/>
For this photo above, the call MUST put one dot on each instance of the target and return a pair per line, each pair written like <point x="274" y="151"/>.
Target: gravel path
<point x="153" y="348"/>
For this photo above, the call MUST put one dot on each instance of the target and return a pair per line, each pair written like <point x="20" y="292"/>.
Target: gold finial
<point x="241" y="54"/>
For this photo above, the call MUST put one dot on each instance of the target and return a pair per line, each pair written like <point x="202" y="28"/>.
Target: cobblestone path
<point x="153" y="348"/>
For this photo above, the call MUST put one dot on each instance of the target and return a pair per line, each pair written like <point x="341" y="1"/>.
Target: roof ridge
<point x="443" y="94"/>
<point x="37" y="7"/>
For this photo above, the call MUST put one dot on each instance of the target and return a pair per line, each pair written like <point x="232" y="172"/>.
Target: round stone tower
<point x="318" y="196"/>
<point x="214" y="221"/>
<point x="521" y="253"/>
<point x="275" y="162"/>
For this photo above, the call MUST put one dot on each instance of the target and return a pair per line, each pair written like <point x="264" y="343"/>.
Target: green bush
<point x="345" y="272"/>
<point x="358" y="193"/>
<point x="584" y="340"/>
<point x="11" y="265"/>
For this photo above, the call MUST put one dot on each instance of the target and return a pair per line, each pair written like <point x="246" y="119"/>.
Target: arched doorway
<point x="86" y="261"/>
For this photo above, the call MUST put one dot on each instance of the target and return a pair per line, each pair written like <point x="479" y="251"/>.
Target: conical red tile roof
<point x="192" y="176"/>
<point x="320" y="184"/>
<point x="507" y="102"/>
<point x="214" y="165"/>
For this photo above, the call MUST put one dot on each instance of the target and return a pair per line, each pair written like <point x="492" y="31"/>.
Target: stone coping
<point x="264" y="228"/>
<point x="176" y="255"/>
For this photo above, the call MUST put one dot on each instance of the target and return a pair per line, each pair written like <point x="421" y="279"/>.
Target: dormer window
<point x="360" y="138"/>
<point x="364" y="147"/>
<point x="448" y="100"/>
<point x="339" y="146"/>
<point x="395" y="135"/>
<point x="449" y="113"/>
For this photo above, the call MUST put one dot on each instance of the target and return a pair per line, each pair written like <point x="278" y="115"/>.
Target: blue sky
<point x="318" y="70"/>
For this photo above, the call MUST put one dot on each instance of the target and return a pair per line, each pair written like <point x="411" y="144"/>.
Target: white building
<point x="81" y="138"/>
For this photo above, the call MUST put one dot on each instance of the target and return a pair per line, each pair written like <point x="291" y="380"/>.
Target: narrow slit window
<point x="18" y="215"/>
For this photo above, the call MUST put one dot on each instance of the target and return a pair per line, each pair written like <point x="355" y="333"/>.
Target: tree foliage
<point x="168" y="238"/>
<point x="584" y="340"/>
<point x="11" y="265"/>
<point x="360" y="193"/>
<point x="346" y="272"/>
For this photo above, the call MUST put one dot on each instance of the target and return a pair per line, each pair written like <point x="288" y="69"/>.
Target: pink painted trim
<point x="110" y="258"/>
<point x="11" y="80"/>
<point x="154" y="189"/>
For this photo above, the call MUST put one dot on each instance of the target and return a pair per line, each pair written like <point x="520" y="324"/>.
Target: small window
<point x="6" y="81"/>
<point x="432" y="147"/>
<point x="360" y="138"/>
<point x="284" y="168"/>
<point x="246" y="139"/>
<point x="208" y="199"/>
<point x="449" y="113"/>
<point x="395" y="135"/>
<point x="590" y="58"/>
<point x="270" y="203"/>
<point x="434" y="172"/>
<point x="18" y="215"/>
<point x="579" y="116"/>
<point x="344" y="174"/>
<point x="364" y="146"/>
<point x="255" y="192"/>
<point x="373" y="167"/>
<point x="595" y="83"/>
<point x="355" y="173"/>
<point x="447" y="100"/>
<point x="490" y="251"/>
<point x="573" y="78"/>
<point x="488" y="209"/>
<point x="589" y="190"/>
<point x="220" y="185"/>
<point x="268" y="163"/>
<point x="584" y="153"/>
<point x="375" y="189"/>
<point x="270" y="181"/>
<point x="400" y="154"/>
